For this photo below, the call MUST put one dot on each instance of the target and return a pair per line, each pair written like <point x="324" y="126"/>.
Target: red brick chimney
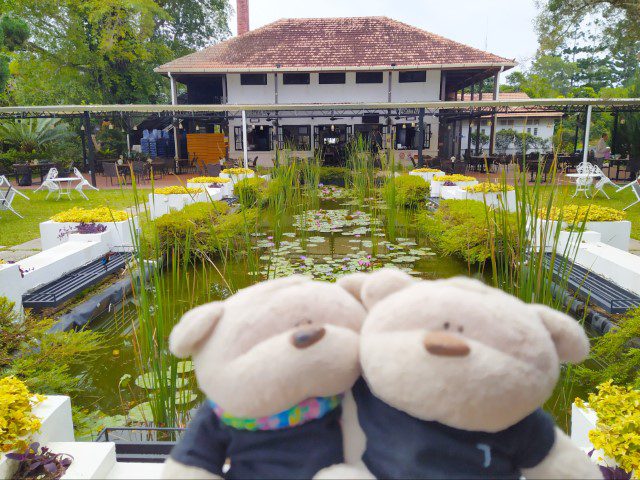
<point x="242" y="9"/>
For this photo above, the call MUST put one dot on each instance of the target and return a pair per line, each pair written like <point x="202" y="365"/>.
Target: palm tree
<point x="33" y="134"/>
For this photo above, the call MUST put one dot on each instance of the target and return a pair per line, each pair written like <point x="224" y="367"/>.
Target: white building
<point x="330" y="60"/>
<point x="537" y="124"/>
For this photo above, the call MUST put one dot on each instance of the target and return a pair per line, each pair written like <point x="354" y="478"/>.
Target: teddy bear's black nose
<point x="306" y="337"/>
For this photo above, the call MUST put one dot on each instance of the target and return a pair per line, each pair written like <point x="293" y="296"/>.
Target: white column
<point x="244" y="139"/>
<point x="174" y="101"/>
<point x="587" y="132"/>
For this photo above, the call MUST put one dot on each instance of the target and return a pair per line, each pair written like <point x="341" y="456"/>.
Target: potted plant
<point x="492" y="194"/>
<point x="237" y="173"/>
<point x="459" y="181"/>
<point x="118" y="223"/>
<point x="608" y="425"/>
<point x="40" y="462"/>
<point x="426" y="173"/>
<point x="163" y="200"/>
<point x="215" y="186"/>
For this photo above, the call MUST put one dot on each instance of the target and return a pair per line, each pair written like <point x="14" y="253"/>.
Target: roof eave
<point x="166" y="69"/>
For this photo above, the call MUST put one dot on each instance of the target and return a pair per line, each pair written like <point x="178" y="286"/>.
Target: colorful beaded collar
<point x="310" y="409"/>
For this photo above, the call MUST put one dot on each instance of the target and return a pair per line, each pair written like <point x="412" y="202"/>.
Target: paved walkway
<point x="18" y="252"/>
<point x="634" y="247"/>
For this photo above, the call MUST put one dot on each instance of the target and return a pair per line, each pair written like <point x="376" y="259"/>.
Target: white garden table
<point x="64" y="185"/>
<point x="583" y="182"/>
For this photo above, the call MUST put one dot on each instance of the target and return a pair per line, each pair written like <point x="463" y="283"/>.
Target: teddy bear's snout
<point x="306" y="337"/>
<point x="445" y="344"/>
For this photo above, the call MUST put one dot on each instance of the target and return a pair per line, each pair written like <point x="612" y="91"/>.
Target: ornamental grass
<point x="90" y="215"/>
<point x="586" y="213"/>
<point x="177" y="190"/>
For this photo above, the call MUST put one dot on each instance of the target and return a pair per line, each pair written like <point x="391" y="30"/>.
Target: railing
<point x="141" y="444"/>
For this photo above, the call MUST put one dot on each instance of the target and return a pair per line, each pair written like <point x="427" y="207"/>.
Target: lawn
<point x="15" y="230"/>
<point x="618" y="200"/>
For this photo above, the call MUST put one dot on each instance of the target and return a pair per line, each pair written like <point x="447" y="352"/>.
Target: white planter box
<point x="118" y="236"/>
<point x="615" y="234"/>
<point x="226" y="190"/>
<point x="583" y="420"/>
<point x="236" y="178"/>
<point x="437" y="185"/>
<point x="427" y="176"/>
<point x="495" y="200"/>
<point x="452" y="193"/>
<point x="162" y="204"/>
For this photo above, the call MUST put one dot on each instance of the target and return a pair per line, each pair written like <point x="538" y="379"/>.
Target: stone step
<point x="135" y="471"/>
<point x="91" y="460"/>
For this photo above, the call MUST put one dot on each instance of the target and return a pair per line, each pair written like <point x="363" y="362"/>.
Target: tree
<point x="33" y="134"/>
<point x="105" y="51"/>
<point x="13" y="35"/>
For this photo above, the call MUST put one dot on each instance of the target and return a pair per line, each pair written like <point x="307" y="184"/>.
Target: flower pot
<point x="437" y="185"/>
<point x="427" y="176"/>
<point x="119" y="235"/>
<point x="162" y="204"/>
<point x="236" y="178"/>
<point x="226" y="190"/>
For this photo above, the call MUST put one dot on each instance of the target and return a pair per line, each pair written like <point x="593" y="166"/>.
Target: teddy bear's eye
<point x="446" y="325"/>
<point x="461" y="329"/>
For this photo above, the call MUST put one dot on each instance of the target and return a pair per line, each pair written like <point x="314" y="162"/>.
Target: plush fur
<point x="244" y="353"/>
<point x="466" y="355"/>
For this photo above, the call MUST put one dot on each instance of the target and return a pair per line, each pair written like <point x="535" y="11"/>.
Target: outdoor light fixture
<point x="623" y="121"/>
<point x="82" y="127"/>
<point x="180" y="126"/>
<point x="413" y="124"/>
<point x="111" y="126"/>
<point x="197" y="127"/>
<point x="135" y="127"/>
<point x="333" y="128"/>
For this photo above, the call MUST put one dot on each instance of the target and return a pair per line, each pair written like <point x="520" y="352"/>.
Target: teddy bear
<point x="454" y="373"/>
<point x="274" y="361"/>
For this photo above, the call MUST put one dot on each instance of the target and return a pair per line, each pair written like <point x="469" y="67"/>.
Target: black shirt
<point x="296" y="452"/>
<point x="401" y="446"/>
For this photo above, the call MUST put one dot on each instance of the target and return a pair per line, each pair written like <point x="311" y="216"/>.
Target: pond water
<point x="335" y="238"/>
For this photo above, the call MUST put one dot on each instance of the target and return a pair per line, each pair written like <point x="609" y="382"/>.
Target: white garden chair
<point x="602" y="182"/>
<point x="83" y="183"/>
<point x="635" y="187"/>
<point x="6" y="199"/>
<point x="48" y="182"/>
<point x="583" y="184"/>
<point x="4" y="182"/>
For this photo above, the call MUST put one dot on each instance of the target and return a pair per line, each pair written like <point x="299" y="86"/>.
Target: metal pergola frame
<point x="449" y="110"/>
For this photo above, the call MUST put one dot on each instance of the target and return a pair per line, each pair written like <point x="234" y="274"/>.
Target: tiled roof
<point x="333" y="43"/>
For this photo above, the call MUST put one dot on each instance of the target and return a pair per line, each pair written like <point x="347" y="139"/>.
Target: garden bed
<point x="161" y="203"/>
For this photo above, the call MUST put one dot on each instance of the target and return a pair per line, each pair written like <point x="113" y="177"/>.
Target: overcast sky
<point x="503" y="27"/>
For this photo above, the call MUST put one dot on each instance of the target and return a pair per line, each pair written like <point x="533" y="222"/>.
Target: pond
<point x="335" y="237"/>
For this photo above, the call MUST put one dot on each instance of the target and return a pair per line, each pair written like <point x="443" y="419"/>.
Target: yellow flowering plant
<point x="177" y="190"/>
<point x="426" y="170"/>
<point x="17" y="421"/>
<point x="453" y="178"/>
<point x="237" y="171"/>
<point x="617" y="431"/>
<point x="488" y="187"/>
<point x="90" y="215"/>
<point x="588" y="213"/>
<point x="209" y="180"/>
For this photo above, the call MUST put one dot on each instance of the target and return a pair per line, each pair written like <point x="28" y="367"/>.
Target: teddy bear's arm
<point x="175" y="470"/>
<point x="564" y="460"/>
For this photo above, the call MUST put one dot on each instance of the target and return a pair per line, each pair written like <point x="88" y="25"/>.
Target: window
<point x="413" y="76"/>
<point x="368" y="77"/>
<point x="295" y="137"/>
<point x="331" y="78"/>
<point x="535" y="132"/>
<point x="407" y="136"/>
<point x="295" y="78"/>
<point x="483" y="131"/>
<point x="253" y="79"/>
<point x="258" y="138"/>
<point x="529" y="130"/>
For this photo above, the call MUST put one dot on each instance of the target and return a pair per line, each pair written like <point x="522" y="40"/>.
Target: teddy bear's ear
<point x="194" y="327"/>
<point x="568" y="335"/>
<point x="370" y="288"/>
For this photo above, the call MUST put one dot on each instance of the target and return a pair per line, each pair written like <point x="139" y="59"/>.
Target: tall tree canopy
<point x="105" y="50"/>
<point x="13" y="35"/>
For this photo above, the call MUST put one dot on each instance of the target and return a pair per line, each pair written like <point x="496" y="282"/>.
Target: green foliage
<point x="229" y="233"/>
<point x="112" y="141"/>
<point x="189" y="226"/>
<point x="249" y="191"/>
<point x="333" y="175"/>
<point x="615" y="355"/>
<point x="47" y="362"/>
<point x="410" y="190"/>
<point x="105" y="52"/>
<point x="13" y="35"/>
<point x="33" y="134"/>
<point x="459" y="228"/>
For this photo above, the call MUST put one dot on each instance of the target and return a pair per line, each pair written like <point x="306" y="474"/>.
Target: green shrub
<point x="249" y="191"/>
<point x="615" y="355"/>
<point x="274" y="189"/>
<point x="229" y="231"/>
<point x="458" y="227"/>
<point x="191" y="224"/>
<point x="410" y="190"/>
<point x="333" y="175"/>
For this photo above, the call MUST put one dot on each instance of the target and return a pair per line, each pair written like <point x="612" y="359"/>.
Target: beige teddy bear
<point x="274" y="361"/>
<point x="455" y="374"/>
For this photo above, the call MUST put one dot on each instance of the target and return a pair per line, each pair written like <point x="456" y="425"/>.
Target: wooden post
<point x="244" y="139"/>
<point x="470" y="120"/>
<point x="90" y="149"/>
<point x="575" y="141"/>
<point x="479" y="120"/>
<point x="420" y="138"/>
<point x="614" y="134"/>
